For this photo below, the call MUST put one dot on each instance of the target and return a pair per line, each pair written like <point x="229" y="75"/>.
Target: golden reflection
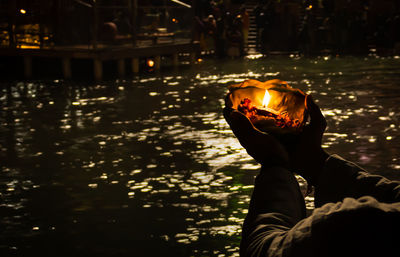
<point x="254" y="56"/>
<point x="173" y="83"/>
<point x="395" y="166"/>
<point x="203" y="171"/>
<point x="93" y="185"/>
<point x="136" y="171"/>
<point x="28" y="47"/>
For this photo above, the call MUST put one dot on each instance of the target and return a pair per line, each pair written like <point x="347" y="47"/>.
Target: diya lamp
<point x="273" y="106"/>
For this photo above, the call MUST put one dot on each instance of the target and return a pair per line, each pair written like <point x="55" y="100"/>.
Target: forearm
<point x="277" y="190"/>
<point x="275" y="207"/>
<point x="340" y="178"/>
<point x="354" y="227"/>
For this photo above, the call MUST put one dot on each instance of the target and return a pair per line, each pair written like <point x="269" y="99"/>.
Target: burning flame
<point x="267" y="97"/>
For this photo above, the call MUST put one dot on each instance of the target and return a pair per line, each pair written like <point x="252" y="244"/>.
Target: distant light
<point x="181" y="3"/>
<point x="174" y="20"/>
<point x="199" y="60"/>
<point x="150" y="63"/>
<point x="28" y="47"/>
<point x="310" y="6"/>
<point x="23" y="11"/>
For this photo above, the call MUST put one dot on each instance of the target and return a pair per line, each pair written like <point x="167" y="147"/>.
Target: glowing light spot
<point x="135" y="171"/>
<point x="150" y="63"/>
<point x="92" y="185"/>
<point x="22" y="11"/>
<point x="388" y="138"/>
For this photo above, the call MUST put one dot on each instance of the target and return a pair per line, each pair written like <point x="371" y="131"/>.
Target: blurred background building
<point x="43" y="23"/>
<point x="223" y="27"/>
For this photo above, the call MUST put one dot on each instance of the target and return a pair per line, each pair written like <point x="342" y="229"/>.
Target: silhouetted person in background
<point x="109" y="32"/>
<point x="234" y="38"/>
<point x="357" y="214"/>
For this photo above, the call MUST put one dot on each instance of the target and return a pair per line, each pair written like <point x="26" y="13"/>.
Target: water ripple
<point x="153" y="160"/>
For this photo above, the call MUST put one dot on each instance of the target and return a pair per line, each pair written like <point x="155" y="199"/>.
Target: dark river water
<point x="148" y="166"/>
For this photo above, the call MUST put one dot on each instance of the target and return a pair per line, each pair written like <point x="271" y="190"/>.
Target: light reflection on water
<point x="120" y="167"/>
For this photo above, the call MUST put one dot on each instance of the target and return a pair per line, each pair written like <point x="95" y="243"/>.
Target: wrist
<point x="320" y="161"/>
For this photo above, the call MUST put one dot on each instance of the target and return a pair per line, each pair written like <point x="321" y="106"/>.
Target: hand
<point x="307" y="158"/>
<point x="264" y="148"/>
<point x="304" y="156"/>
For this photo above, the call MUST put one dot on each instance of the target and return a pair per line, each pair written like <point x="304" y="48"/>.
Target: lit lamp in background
<point x="22" y="11"/>
<point x="150" y="63"/>
<point x="272" y="106"/>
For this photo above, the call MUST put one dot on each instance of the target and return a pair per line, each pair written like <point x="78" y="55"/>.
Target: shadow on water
<point x="146" y="166"/>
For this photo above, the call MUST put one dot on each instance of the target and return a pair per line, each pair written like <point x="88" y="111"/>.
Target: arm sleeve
<point x="276" y="225"/>
<point x="275" y="207"/>
<point x="340" y="179"/>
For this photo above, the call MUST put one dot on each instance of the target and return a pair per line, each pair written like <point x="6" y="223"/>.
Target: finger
<point x="317" y="119"/>
<point x="244" y="130"/>
<point x="241" y="125"/>
<point x="259" y="145"/>
<point x="235" y="120"/>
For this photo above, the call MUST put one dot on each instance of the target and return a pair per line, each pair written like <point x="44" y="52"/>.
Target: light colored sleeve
<point x="340" y="179"/>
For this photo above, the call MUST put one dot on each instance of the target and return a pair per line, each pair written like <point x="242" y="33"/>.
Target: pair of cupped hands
<point x="305" y="156"/>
